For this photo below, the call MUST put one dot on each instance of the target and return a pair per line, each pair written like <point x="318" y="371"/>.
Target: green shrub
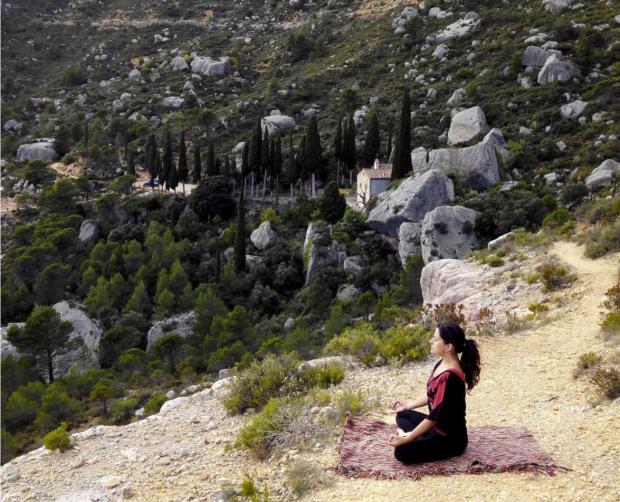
<point x="495" y="261"/>
<point x="269" y="214"/>
<point x="58" y="439"/>
<point x="603" y="240"/>
<point x="154" y="404"/>
<point x="327" y="376"/>
<point x="558" y="218"/>
<point x="589" y="360"/>
<point x="74" y="75"/>
<point x="538" y="308"/>
<point x="123" y="409"/>
<point x="608" y="382"/>
<point x="611" y="323"/>
<point x="304" y="476"/>
<point x="354" y="402"/>
<point x="554" y="275"/>
<point x="9" y="446"/>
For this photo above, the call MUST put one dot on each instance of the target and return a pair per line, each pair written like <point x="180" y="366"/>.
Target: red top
<point x="446" y="401"/>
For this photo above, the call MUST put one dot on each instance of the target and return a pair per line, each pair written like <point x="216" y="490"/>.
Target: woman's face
<point x="438" y="346"/>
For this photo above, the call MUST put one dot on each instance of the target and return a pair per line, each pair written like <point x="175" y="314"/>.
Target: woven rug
<point x="365" y="452"/>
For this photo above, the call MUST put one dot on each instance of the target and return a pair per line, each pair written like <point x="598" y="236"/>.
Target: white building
<point x="372" y="181"/>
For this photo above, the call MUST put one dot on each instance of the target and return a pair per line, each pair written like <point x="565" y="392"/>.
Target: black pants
<point x="429" y="446"/>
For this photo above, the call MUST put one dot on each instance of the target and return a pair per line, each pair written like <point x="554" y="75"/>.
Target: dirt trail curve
<point x="527" y="380"/>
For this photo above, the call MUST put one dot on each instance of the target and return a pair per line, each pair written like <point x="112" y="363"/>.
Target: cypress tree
<point x="239" y="256"/>
<point x="125" y="137"/>
<point x="226" y="170"/>
<point x="151" y="153"/>
<point x="401" y="163"/>
<point x="265" y="158"/>
<point x="168" y="161"/>
<point x="254" y="153"/>
<point x="313" y="151"/>
<point x="291" y="165"/>
<point x="86" y="138"/>
<point x="373" y="142"/>
<point x="349" y="149"/>
<point x="131" y="164"/>
<point x="338" y="149"/>
<point x="211" y="167"/>
<point x="160" y="169"/>
<point x="301" y="161"/>
<point x="173" y="179"/>
<point x="182" y="170"/>
<point x="245" y="167"/>
<point x="197" y="164"/>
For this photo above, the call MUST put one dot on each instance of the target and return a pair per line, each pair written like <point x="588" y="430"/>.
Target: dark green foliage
<point x="401" y="164"/>
<point x="74" y="75"/>
<point x="349" y="152"/>
<point x="299" y="46"/>
<point x="373" y="142"/>
<point x="154" y="404"/>
<point x="57" y="406"/>
<point x="168" y="347"/>
<point x="313" y="149"/>
<point x="104" y="390"/>
<point x="213" y="197"/>
<point x="182" y="171"/>
<point x="292" y="174"/>
<point x="51" y="283"/>
<point x="152" y="157"/>
<point x="255" y="148"/>
<point x="197" y="172"/>
<point x="44" y="337"/>
<point x="331" y="203"/>
<point x="212" y="169"/>
<point x="114" y="342"/>
<point x="239" y="257"/>
<point x="38" y="173"/>
<point x="61" y="197"/>
<point x="58" y="439"/>
<point x="573" y="193"/>
<point x="408" y="291"/>
<point x="9" y="446"/>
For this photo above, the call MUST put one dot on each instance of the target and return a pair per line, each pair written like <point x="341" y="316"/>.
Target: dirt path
<point x="527" y="380"/>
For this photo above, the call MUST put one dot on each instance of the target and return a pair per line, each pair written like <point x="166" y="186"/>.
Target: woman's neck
<point x="450" y="361"/>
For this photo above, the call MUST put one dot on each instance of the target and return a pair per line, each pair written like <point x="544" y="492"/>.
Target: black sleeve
<point x="448" y="400"/>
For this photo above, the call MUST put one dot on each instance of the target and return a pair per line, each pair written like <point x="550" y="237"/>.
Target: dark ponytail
<point x="451" y="332"/>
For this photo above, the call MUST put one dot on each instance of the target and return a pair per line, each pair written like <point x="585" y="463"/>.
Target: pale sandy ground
<point x="527" y="380"/>
<point x="187" y="453"/>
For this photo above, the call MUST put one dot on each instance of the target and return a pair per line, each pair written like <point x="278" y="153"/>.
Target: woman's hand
<point x="395" y="441"/>
<point x="398" y="406"/>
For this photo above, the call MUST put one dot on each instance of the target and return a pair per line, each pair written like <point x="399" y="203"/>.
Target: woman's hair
<point x="451" y="332"/>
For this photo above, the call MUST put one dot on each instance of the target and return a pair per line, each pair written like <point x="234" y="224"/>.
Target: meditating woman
<point x="442" y="433"/>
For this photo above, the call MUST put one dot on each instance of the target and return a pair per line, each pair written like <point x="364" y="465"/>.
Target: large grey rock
<point x="86" y="330"/>
<point x="466" y="125"/>
<point x="135" y="75"/>
<point x="451" y="281"/>
<point x="603" y="175"/>
<point x="173" y="102"/>
<point x="41" y="150"/>
<point x="441" y="51"/>
<point x="573" y="109"/>
<point x="457" y="96"/>
<point x="410" y="201"/>
<point x="448" y="232"/>
<point x="398" y="23"/>
<point x="180" y="325"/>
<point x="353" y="264"/>
<point x="211" y="67"/>
<point x="556" y="70"/>
<point x="409" y="240"/>
<point x="263" y="236"/>
<point x="348" y="293"/>
<point x="459" y="29"/>
<point x="12" y="125"/>
<point x="317" y="253"/>
<point x="88" y="231"/>
<point x="477" y="165"/>
<point x="6" y="347"/>
<point x="179" y="64"/>
<point x="278" y="123"/>
<point x="499" y="241"/>
<point x="556" y="6"/>
<point x="536" y="57"/>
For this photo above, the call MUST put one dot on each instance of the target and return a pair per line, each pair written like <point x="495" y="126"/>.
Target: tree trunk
<point x="313" y="187"/>
<point x="50" y="366"/>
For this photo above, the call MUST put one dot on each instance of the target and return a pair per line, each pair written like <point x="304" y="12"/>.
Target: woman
<point x="442" y="433"/>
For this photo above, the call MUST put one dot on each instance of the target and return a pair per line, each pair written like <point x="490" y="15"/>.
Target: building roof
<point x="383" y="171"/>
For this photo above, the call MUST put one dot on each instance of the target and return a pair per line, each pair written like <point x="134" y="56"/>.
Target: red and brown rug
<point x="365" y="452"/>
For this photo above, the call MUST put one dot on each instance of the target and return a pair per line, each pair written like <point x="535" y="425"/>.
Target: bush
<point x="9" y="446"/>
<point x="588" y="361"/>
<point x="74" y="75"/>
<point x="154" y="404"/>
<point x="304" y="476"/>
<point x="58" y="439"/>
<point x="611" y="323"/>
<point x="440" y="312"/>
<point x="350" y="402"/>
<point x="274" y="377"/>
<point x="123" y="409"/>
<point x="554" y="276"/>
<point x="604" y="240"/>
<point x="608" y="382"/>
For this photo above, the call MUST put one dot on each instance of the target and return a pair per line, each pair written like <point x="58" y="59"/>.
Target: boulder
<point x="448" y="232"/>
<point x="441" y="51"/>
<point x="551" y="179"/>
<point x="263" y="236"/>
<point x="173" y="102"/>
<point x="556" y="70"/>
<point x="88" y="231"/>
<point x="496" y="243"/>
<point x="289" y="324"/>
<point x="322" y="362"/>
<point x="410" y="201"/>
<point x="135" y="75"/>
<point x="398" y="23"/>
<point x="348" y="293"/>
<point x="451" y="281"/>
<point x="180" y="325"/>
<point x="466" y="125"/>
<point x="603" y="175"/>
<point x="12" y="125"/>
<point x="6" y="347"/>
<point x="353" y="264"/>
<point x="41" y="150"/>
<point x="278" y="123"/>
<point x="459" y="29"/>
<point x="477" y="165"/>
<point x="211" y="67"/>
<point x="85" y="329"/>
<point x="457" y="96"/>
<point x="320" y="250"/>
<point x="536" y="57"/>
<point x="179" y="64"/>
<point x="573" y="109"/>
<point x="409" y="240"/>
<point x="556" y="6"/>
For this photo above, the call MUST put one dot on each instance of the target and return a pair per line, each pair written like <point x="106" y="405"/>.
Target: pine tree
<point x="349" y="148"/>
<point x="301" y="162"/>
<point x="131" y="163"/>
<point x="160" y="169"/>
<point x="139" y="301"/>
<point x="401" y="163"/>
<point x="211" y="165"/>
<point x="313" y="151"/>
<point x="265" y="158"/>
<point x="276" y="163"/>
<point x="151" y="164"/>
<point x="254" y="153"/>
<point x="373" y="141"/>
<point x="226" y="170"/>
<point x="168" y="160"/>
<point x="338" y="149"/>
<point x="331" y="203"/>
<point x="239" y="256"/>
<point x="197" y="164"/>
<point x="182" y="170"/>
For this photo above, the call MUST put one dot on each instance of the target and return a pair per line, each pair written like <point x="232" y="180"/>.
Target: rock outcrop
<point x="603" y="175"/>
<point x="88" y="231"/>
<point x="459" y="29"/>
<point x="211" y="67"/>
<point x="409" y="240"/>
<point x="40" y="150"/>
<point x="180" y="325"/>
<point x="573" y="110"/>
<point x="466" y="125"/>
<point x="320" y="250"/>
<point x="263" y="236"/>
<point x="477" y="165"/>
<point x="556" y="70"/>
<point x="278" y="123"/>
<point x="448" y="232"/>
<point x="410" y="201"/>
